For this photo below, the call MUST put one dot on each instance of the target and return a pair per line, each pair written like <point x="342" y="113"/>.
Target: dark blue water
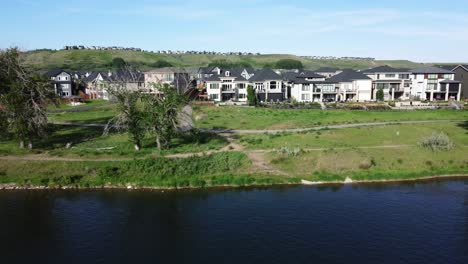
<point x="395" y="223"/>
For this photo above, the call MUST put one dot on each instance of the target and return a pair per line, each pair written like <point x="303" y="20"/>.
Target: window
<point x="432" y="76"/>
<point x="227" y="73"/>
<point x="273" y="85"/>
<point x="168" y="77"/>
<point x="305" y="87"/>
<point x="404" y="76"/>
<point x="448" y="76"/>
<point x="389" y="75"/>
<point x="305" y="97"/>
<point x="431" y="86"/>
<point x="226" y="81"/>
<point x="214" y="96"/>
<point x="242" y="96"/>
<point x="241" y="85"/>
<point x="214" y="86"/>
<point x="259" y="86"/>
<point x="226" y="87"/>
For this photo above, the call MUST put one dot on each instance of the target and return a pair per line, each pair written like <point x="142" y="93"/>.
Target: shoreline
<point x="15" y="187"/>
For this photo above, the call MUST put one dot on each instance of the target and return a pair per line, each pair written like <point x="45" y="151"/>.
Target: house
<point x="461" y="74"/>
<point x="178" y="78"/>
<point x="327" y="72"/>
<point x="61" y="82"/>
<point x="97" y="84"/>
<point x="268" y="86"/>
<point x="229" y="84"/>
<point x="352" y="86"/>
<point x="435" y="83"/>
<point x="307" y="86"/>
<point x="395" y="83"/>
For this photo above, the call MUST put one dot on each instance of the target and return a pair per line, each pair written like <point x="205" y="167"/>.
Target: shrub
<point x="365" y="165"/>
<point x="290" y="152"/>
<point x="436" y="142"/>
<point x="380" y="95"/>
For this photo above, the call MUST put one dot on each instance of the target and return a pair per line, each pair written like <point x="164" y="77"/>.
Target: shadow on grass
<point x="463" y="125"/>
<point x="59" y="136"/>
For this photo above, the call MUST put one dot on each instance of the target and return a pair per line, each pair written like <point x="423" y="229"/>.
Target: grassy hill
<point x="101" y="59"/>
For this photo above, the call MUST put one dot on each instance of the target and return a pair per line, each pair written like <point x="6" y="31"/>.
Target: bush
<point x="290" y="152"/>
<point x="161" y="64"/>
<point x="365" y="165"/>
<point x="118" y="63"/>
<point x="289" y="64"/>
<point x="380" y="95"/>
<point x="436" y="142"/>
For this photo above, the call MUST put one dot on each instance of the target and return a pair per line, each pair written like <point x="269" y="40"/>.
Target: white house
<point x="433" y="83"/>
<point x="396" y="83"/>
<point x="352" y="86"/>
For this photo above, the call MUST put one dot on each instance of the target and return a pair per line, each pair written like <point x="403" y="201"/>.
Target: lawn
<point x="88" y="103"/>
<point x="210" y="170"/>
<point x="372" y="164"/>
<point x="402" y="134"/>
<point x="99" y="114"/>
<point x="261" y="118"/>
<point x="90" y="142"/>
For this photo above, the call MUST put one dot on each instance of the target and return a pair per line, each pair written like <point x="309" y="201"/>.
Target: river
<point x="424" y="222"/>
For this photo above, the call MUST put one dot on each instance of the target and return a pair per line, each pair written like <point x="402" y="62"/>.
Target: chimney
<point x="109" y="74"/>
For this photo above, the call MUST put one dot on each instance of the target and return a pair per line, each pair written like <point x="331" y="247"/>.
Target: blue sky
<point x="425" y="31"/>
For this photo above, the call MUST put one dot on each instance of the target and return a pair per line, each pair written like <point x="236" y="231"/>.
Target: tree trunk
<point x="21" y="144"/>
<point x="158" y="143"/>
<point x="30" y="145"/>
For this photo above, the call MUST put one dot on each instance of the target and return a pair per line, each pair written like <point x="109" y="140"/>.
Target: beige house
<point x="178" y="78"/>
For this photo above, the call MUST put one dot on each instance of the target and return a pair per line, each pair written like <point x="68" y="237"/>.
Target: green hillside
<point x="101" y="59"/>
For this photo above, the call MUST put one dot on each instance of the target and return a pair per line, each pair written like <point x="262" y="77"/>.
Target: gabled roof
<point x="93" y="75"/>
<point x="55" y="72"/>
<point x="167" y="70"/>
<point x="384" y="69"/>
<point x="327" y="69"/>
<point x="430" y="69"/>
<point x="348" y="76"/>
<point x="309" y="74"/>
<point x="128" y="76"/>
<point x="448" y="67"/>
<point x="233" y="73"/>
<point x="264" y="74"/>
<point x="464" y="66"/>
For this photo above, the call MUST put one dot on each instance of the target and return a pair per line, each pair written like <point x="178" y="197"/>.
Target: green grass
<point x="261" y="118"/>
<point x="89" y="142"/>
<point x="404" y="134"/>
<point x="99" y="114"/>
<point x="211" y="170"/>
<point x="87" y="103"/>
<point x="99" y="60"/>
<point x="385" y="164"/>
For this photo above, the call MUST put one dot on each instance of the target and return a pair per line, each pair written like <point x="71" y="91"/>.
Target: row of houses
<point x="328" y="84"/>
<point x="325" y="84"/>
<point x="338" y="58"/>
<point x="94" y="84"/>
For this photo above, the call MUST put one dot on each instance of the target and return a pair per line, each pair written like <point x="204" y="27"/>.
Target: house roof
<point x="430" y="69"/>
<point x="93" y="75"/>
<point x="167" y="70"/>
<point x="327" y="69"/>
<point x="233" y="73"/>
<point x="450" y="81"/>
<point x="384" y="69"/>
<point x="55" y="72"/>
<point x="448" y="67"/>
<point x="309" y="74"/>
<point x="128" y="76"/>
<point x="464" y="66"/>
<point x="265" y="74"/>
<point x="348" y="76"/>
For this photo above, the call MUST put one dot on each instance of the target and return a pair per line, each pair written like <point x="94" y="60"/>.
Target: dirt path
<point x="261" y="131"/>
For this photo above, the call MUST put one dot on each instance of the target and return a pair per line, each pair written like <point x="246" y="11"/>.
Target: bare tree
<point x="23" y="98"/>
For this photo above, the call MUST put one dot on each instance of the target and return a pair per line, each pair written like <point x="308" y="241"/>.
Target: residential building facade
<point x="434" y="83"/>
<point x="61" y="81"/>
<point x="395" y="83"/>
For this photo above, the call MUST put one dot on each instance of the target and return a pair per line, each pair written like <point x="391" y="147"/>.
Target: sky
<point x="422" y="31"/>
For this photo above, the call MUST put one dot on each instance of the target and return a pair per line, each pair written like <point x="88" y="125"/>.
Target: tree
<point x="379" y="95"/>
<point x="130" y="117"/>
<point x="251" y="96"/>
<point x="118" y="63"/>
<point x="162" y="114"/>
<point x="161" y="64"/>
<point x="23" y="98"/>
<point x="289" y="64"/>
